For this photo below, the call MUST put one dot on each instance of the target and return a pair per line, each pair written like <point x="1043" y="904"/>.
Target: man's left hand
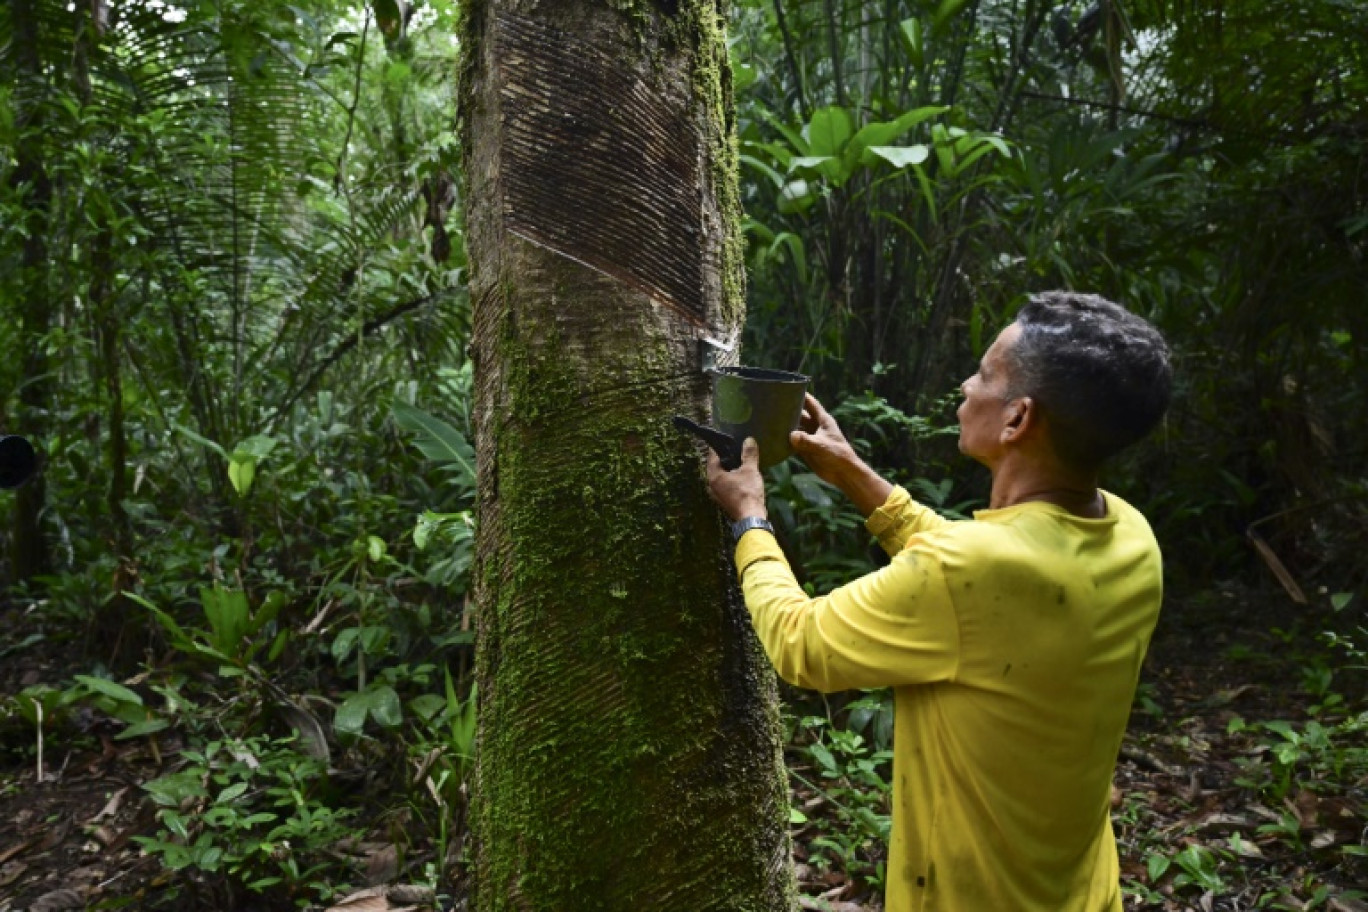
<point x="740" y="492"/>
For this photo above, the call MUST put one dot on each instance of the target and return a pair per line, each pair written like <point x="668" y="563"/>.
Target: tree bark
<point x="629" y="754"/>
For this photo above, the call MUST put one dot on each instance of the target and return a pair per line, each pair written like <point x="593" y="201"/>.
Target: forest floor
<point x="1242" y="784"/>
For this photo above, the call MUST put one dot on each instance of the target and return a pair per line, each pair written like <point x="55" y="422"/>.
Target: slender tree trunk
<point x="629" y="750"/>
<point x="29" y="552"/>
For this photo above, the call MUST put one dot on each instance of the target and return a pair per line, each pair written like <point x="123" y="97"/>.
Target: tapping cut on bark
<point x="598" y="166"/>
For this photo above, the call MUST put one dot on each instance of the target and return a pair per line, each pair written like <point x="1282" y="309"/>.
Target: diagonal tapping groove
<point x="598" y="166"/>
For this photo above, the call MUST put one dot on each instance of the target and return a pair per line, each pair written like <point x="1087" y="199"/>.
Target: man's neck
<point x="1016" y="481"/>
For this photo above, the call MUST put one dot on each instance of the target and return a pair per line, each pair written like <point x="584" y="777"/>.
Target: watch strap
<point x="746" y="523"/>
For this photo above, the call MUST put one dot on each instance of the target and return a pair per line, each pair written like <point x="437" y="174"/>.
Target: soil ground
<point x="1188" y="777"/>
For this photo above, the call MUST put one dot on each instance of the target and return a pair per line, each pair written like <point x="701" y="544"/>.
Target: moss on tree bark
<point x="629" y="749"/>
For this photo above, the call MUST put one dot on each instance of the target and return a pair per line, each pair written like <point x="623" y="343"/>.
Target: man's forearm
<point x="863" y="486"/>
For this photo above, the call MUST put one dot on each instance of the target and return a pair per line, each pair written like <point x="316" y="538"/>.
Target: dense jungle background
<point x="235" y="668"/>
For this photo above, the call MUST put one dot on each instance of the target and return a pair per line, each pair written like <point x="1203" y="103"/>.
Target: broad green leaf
<point x="427" y="706"/>
<point x="795" y="138"/>
<point x="375" y="548"/>
<point x="145" y="727"/>
<point x="350" y="718"/>
<point x="797" y="816"/>
<point x="423" y="529"/>
<point x="110" y="689"/>
<point x="774" y="176"/>
<point x="829" y="130"/>
<point x="947" y="11"/>
<point x="902" y="156"/>
<point x="178" y="636"/>
<point x="258" y="446"/>
<point x="911" y="32"/>
<point x="202" y="441"/>
<point x="228" y="616"/>
<point x="384" y="706"/>
<point x="437" y="440"/>
<point x="270" y="608"/>
<point x="944" y="154"/>
<point x="809" y="162"/>
<point x="928" y="192"/>
<point x="344" y="642"/>
<point x="797" y="254"/>
<point x="241" y="472"/>
<point x="233" y="792"/>
<point x="884" y="132"/>
<point x="1340" y="600"/>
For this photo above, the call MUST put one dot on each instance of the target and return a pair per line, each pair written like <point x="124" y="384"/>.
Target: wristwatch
<point x="746" y="523"/>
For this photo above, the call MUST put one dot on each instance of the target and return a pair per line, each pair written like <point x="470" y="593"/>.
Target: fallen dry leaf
<point x="112" y="805"/>
<point x="411" y="893"/>
<point x="372" y="900"/>
<point x="1323" y="839"/>
<point x="10" y="871"/>
<point x="58" y="901"/>
<point x="382" y="865"/>
<point x="13" y="850"/>
<point x="53" y="837"/>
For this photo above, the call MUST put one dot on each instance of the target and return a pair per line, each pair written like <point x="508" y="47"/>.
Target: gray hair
<point x="1100" y="374"/>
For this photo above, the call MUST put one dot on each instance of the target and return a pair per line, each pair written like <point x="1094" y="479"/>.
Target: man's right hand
<point x="824" y="448"/>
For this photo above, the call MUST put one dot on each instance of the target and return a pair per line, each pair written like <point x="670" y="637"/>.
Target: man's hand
<point x="740" y="492"/>
<point x="824" y="448"/>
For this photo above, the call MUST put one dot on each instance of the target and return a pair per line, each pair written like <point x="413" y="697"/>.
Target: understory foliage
<point x="234" y="313"/>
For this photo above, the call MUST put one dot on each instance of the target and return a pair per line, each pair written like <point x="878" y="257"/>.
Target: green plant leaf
<point x="427" y="706"/>
<point x="232" y="792"/>
<point x="1340" y="600"/>
<point x="202" y="441"/>
<point x="228" y="616"/>
<point x="350" y="717"/>
<point x="241" y="472"/>
<point x="828" y="131"/>
<point x="384" y="706"/>
<point x="437" y="440"/>
<point x="110" y="689"/>
<point x="947" y="11"/>
<point x="902" y="156"/>
<point x="911" y="33"/>
<point x="145" y="727"/>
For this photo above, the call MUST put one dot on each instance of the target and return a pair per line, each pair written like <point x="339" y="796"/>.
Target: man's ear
<point x="1022" y="418"/>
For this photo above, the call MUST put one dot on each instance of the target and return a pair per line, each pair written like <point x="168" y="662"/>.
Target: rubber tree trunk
<point x="628" y="748"/>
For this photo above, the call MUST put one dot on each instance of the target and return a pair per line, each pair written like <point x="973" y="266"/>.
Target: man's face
<point x="986" y="409"/>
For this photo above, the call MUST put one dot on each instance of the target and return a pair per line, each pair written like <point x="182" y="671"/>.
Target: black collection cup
<point x="751" y="402"/>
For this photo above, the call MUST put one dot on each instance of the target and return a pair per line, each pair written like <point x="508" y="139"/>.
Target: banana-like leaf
<point x="439" y="441"/>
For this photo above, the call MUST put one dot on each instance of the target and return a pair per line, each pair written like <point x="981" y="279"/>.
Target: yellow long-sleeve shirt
<point x="1013" y="642"/>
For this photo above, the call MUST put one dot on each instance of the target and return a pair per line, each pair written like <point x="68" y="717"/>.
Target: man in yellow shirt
<point x="1013" y="641"/>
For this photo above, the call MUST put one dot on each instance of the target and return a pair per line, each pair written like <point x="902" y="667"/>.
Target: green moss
<point x="628" y="723"/>
<point x="712" y="91"/>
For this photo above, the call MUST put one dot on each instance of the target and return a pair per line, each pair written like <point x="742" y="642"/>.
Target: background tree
<point x="629" y="741"/>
